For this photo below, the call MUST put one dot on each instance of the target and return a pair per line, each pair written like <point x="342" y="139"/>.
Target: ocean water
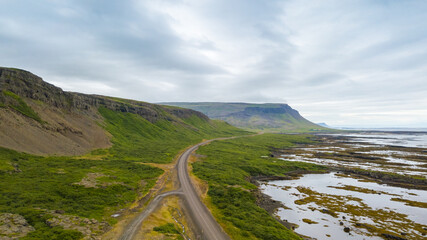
<point x="404" y="139"/>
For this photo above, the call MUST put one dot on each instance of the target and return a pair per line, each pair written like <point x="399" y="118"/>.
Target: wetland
<point x="376" y="189"/>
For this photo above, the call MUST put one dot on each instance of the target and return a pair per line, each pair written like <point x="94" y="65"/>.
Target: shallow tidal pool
<point x="336" y="206"/>
<point x="387" y="152"/>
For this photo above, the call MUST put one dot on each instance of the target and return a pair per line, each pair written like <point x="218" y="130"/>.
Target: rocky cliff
<point x="40" y="118"/>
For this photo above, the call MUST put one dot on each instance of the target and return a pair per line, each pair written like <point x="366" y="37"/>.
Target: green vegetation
<point x="50" y="183"/>
<point x="410" y="203"/>
<point x="54" y="233"/>
<point x="227" y="168"/>
<point x="137" y="139"/>
<point x="82" y="186"/>
<point x="37" y="218"/>
<point x="167" y="228"/>
<point x="309" y="221"/>
<point x="390" y="176"/>
<point x="5" y="165"/>
<point x="97" y="185"/>
<point x="125" y="101"/>
<point x="22" y="107"/>
<point x="361" y="189"/>
<point x="386" y="221"/>
<point x="170" y="230"/>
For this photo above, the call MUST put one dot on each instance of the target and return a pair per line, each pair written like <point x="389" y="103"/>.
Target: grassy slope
<point x="136" y="139"/>
<point x="29" y="182"/>
<point x="226" y="169"/>
<point x="21" y="106"/>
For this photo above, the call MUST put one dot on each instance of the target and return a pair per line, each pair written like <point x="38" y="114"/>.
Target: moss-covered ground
<point x="100" y="183"/>
<point x="228" y="168"/>
<point x="19" y="105"/>
<point x="38" y="182"/>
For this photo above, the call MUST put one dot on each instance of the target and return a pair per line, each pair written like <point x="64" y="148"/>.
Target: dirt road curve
<point x="208" y="228"/>
<point x="133" y="227"/>
<point x="200" y="214"/>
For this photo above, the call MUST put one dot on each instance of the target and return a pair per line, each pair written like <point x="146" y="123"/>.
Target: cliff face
<point x="270" y="117"/>
<point x="30" y="86"/>
<point x="265" y="111"/>
<point x="40" y="118"/>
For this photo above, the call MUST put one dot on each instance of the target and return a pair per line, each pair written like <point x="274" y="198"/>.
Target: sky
<point x="347" y="63"/>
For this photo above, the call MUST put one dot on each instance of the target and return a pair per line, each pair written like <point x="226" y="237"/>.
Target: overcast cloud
<point x="347" y="63"/>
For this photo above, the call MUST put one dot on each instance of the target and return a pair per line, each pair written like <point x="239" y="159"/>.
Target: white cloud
<point x="341" y="62"/>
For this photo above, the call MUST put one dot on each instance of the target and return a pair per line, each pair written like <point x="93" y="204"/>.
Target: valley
<point x="79" y="166"/>
<point x="75" y="183"/>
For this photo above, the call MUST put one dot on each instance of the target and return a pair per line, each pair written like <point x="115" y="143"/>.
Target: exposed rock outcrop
<point x="28" y="85"/>
<point x="90" y="228"/>
<point x="13" y="226"/>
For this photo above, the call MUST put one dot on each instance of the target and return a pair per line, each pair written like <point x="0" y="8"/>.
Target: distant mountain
<point x="323" y="125"/>
<point x="269" y="117"/>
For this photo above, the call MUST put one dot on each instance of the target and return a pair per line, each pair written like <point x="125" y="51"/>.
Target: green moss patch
<point x="21" y="106"/>
<point x="306" y="220"/>
<point x="167" y="228"/>
<point x="360" y="189"/>
<point x="170" y="230"/>
<point x="387" y="221"/>
<point x="410" y="203"/>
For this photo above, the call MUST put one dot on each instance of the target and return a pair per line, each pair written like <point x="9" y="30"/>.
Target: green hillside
<point x="268" y="117"/>
<point x="136" y="139"/>
<point x="71" y="189"/>
<point x="228" y="167"/>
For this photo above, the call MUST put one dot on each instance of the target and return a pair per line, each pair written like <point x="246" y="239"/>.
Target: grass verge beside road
<point x="227" y="168"/>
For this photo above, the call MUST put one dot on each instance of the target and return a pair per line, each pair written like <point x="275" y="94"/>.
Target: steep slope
<point x="270" y="117"/>
<point x="39" y="118"/>
<point x="75" y="197"/>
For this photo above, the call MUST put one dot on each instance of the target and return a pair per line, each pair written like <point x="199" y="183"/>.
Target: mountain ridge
<point x="270" y="117"/>
<point x="40" y="118"/>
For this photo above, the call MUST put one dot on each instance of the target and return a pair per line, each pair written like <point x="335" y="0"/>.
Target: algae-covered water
<point x="339" y="206"/>
<point x="397" y="153"/>
<point x="369" y="204"/>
